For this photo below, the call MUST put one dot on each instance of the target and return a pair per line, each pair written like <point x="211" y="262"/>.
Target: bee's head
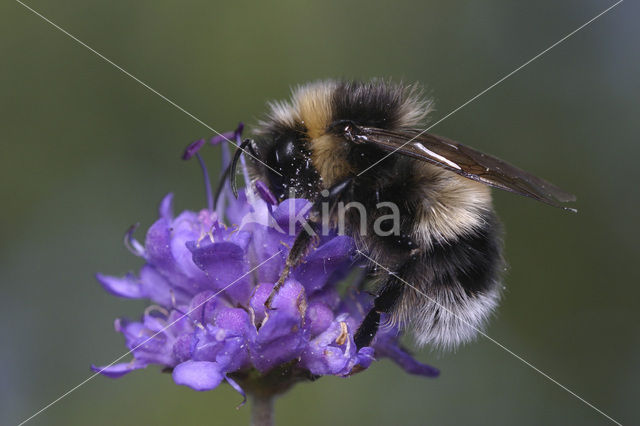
<point x="283" y="160"/>
<point x="299" y="146"/>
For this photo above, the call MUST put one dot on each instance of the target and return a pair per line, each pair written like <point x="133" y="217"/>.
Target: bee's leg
<point x="305" y="239"/>
<point x="366" y="275"/>
<point x="383" y="303"/>
<point x="301" y="246"/>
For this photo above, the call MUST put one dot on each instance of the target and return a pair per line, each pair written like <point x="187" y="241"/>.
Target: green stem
<point x="262" y="410"/>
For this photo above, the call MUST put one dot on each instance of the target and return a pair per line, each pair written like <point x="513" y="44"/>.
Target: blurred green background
<point x="87" y="151"/>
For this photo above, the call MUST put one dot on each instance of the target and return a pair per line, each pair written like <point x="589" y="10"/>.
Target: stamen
<point x="192" y="149"/>
<point x="227" y="135"/>
<point x="207" y="182"/>
<point x="189" y="152"/>
<point x="155" y="308"/>
<point x="221" y="195"/>
<point x="218" y="139"/>
<point x="218" y="200"/>
<point x="265" y="193"/>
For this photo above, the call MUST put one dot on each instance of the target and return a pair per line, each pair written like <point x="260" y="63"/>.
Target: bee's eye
<point x="277" y="184"/>
<point x="287" y="157"/>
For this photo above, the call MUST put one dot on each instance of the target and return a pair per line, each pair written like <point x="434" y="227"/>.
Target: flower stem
<point x="262" y="410"/>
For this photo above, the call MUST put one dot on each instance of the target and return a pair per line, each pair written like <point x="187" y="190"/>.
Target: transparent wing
<point x="463" y="160"/>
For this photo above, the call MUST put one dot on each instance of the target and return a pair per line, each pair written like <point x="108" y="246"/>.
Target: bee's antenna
<point x="234" y="166"/>
<point x="221" y="184"/>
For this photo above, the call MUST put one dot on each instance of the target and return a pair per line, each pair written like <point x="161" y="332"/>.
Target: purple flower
<point x="208" y="281"/>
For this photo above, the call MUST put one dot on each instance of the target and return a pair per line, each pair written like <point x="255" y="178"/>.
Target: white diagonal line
<point x="150" y="338"/>
<point x="495" y="84"/>
<point x="77" y="40"/>
<point x="500" y="345"/>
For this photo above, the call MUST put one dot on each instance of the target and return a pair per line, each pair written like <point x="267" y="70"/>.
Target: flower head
<point x="208" y="279"/>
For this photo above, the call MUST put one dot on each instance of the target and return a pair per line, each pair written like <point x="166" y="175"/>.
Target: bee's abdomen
<point x="447" y="256"/>
<point x="472" y="260"/>
<point x="455" y="286"/>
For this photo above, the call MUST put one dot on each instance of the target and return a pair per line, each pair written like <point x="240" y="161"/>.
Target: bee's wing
<point x="464" y="161"/>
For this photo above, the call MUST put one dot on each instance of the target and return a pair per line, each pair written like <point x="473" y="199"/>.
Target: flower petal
<point x="225" y="265"/>
<point x="203" y="306"/>
<point x="127" y="286"/>
<point x="265" y="244"/>
<point x="319" y="318"/>
<point x="260" y="295"/>
<point x="198" y="375"/>
<point x="405" y="360"/>
<point x="118" y="370"/>
<point x="287" y="213"/>
<point x="131" y="243"/>
<point x="366" y="356"/>
<point x="183" y="347"/>
<point x="281" y="337"/>
<point x="166" y="207"/>
<point x="323" y="262"/>
<point x="332" y="352"/>
<point x="234" y="320"/>
<point x="157" y="288"/>
<point x="238" y="208"/>
<point x="186" y="228"/>
<point x="233" y="355"/>
<point x="208" y="318"/>
<point x="238" y="389"/>
<point x="158" y="250"/>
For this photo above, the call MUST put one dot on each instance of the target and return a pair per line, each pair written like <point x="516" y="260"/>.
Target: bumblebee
<point x="344" y="142"/>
